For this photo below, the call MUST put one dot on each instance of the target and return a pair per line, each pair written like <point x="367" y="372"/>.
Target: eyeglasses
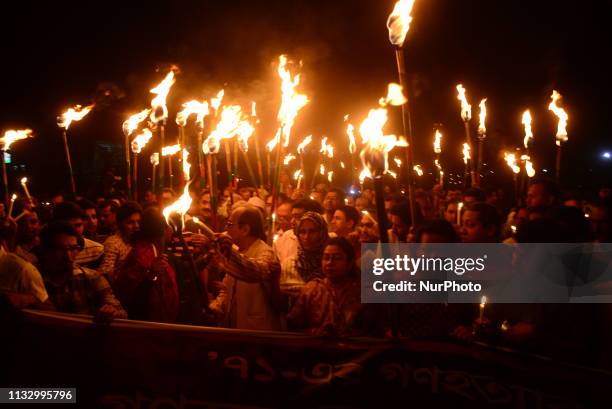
<point x="75" y="248"/>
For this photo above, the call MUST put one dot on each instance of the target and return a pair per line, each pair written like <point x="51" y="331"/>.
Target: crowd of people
<point x="118" y="259"/>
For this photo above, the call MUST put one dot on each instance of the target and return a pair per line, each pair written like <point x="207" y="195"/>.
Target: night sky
<point x="513" y="52"/>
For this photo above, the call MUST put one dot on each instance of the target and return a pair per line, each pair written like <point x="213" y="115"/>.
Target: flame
<point x="297" y="174"/>
<point x="200" y="109"/>
<point x="466" y="153"/>
<point x="326" y="148"/>
<point x="528" y="165"/>
<point x="438" y="142"/>
<point x="374" y="155"/>
<point x="562" y="115"/>
<point x="365" y="173"/>
<point x="161" y="92"/>
<point x="141" y="140"/>
<point x="253" y="109"/>
<point x="350" y="131"/>
<point x="466" y="109"/>
<point x="24" y="180"/>
<point x="510" y="159"/>
<point x="437" y="163"/>
<point x="392" y="173"/>
<point x="133" y="121"/>
<point x="243" y="133"/>
<point x="342" y="165"/>
<point x="215" y="102"/>
<point x="418" y="170"/>
<point x="274" y="141"/>
<point x="12" y="136"/>
<point x="322" y="169"/>
<point x="14" y="197"/>
<point x="398" y="162"/>
<point x="399" y="21"/>
<point x="170" y="150"/>
<point x="482" y="129"/>
<point x="395" y="96"/>
<point x="231" y="123"/>
<point x="154" y="158"/>
<point x="304" y="144"/>
<point x="291" y="101"/>
<point x="186" y="164"/>
<point x="330" y="176"/>
<point x="288" y="159"/>
<point x="183" y="203"/>
<point x="528" y="133"/>
<point x="73" y="114"/>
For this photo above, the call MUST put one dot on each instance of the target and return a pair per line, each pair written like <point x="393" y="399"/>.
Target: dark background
<point x="513" y="52"/>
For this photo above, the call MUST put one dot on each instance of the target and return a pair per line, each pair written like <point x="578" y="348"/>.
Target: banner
<point x="132" y="364"/>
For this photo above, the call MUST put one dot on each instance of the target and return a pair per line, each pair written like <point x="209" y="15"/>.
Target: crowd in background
<point x="113" y="258"/>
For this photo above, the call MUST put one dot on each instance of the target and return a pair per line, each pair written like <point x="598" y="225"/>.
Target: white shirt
<point x="286" y="246"/>
<point x="19" y="276"/>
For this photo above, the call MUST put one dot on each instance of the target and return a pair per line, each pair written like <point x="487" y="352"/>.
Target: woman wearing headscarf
<point x="296" y="271"/>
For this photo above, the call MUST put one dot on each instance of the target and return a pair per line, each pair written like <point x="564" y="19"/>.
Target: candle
<point x="24" y="182"/>
<point x="459" y="207"/>
<point x="483" y="303"/>
<point x="12" y="203"/>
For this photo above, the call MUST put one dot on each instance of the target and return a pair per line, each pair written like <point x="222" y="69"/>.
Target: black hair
<point x="128" y="209"/>
<point x="487" y="215"/>
<point x="251" y="216"/>
<point x="50" y="232"/>
<point x="439" y="227"/>
<point x="350" y="213"/>
<point x="308" y="205"/>
<point x="347" y="249"/>
<point x="67" y="211"/>
<point x="338" y="191"/>
<point x="85" y="204"/>
<point x="479" y="194"/>
<point x="152" y="225"/>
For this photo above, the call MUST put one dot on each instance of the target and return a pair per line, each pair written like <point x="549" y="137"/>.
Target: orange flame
<point x="482" y="129"/>
<point x="154" y="158"/>
<point x="186" y="164"/>
<point x="562" y="115"/>
<point x="288" y="159"/>
<point x="374" y="155"/>
<point x="399" y="21"/>
<point x="528" y="166"/>
<point x="215" y="102"/>
<point x="12" y="136"/>
<point x="297" y="174"/>
<point x="73" y="114"/>
<point x="326" y="148"/>
<point x="350" y="131"/>
<point x="161" y="92"/>
<point x="274" y="141"/>
<point x="438" y="142"/>
<point x="418" y="169"/>
<point x="200" y="109"/>
<point x="133" y="121"/>
<point x="395" y="96"/>
<point x="307" y="140"/>
<point x="170" y="150"/>
<point x="291" y="101"/>
<point x="466" y="153"/>
<point x="466" y="108"/>
<point x="141" y="140"/>
<point x="510" y="159"/>
<point x="330" y="176"/>
<point x="231" y="123"/>
<point x="322" y="169"/>
<point x="528" y="133"/>
<point x="398" y="162"/>
<point x="183" y="203"/>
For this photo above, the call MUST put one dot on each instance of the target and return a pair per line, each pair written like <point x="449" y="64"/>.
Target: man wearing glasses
<point x="72" y="287"/>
